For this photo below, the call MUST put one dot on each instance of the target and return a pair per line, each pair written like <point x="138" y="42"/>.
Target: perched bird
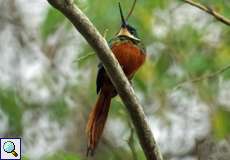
<point x="130" y="53"/>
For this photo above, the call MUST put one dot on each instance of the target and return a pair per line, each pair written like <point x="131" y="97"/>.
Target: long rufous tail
<point x="97" y="119"/>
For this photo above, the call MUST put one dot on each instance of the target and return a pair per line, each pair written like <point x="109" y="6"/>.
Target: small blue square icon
<point x="10" y="148"/>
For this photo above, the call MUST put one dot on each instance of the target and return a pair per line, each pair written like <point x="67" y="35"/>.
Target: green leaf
<point x="163" y="64"/>
<point x="221" y="125"/>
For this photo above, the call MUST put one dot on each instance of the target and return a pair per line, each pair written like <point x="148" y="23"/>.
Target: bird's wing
<point x="101" y="69"/>
<point x="100" y="75"/>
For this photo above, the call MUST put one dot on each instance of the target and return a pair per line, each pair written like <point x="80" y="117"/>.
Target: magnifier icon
<point x="9" y="147"/>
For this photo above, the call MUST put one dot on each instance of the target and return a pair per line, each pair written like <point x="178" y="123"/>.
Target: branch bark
<point x="210" y="11"/>
<point x="115" y="72"/>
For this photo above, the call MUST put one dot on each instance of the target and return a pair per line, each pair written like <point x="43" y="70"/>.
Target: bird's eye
<point x="132" y="31"/>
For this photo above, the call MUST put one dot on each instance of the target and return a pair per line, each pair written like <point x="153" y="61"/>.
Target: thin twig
<point x="91" y="53"/>
<point x="84" y="57"/>
<point x="131" y="142"/>
<point x="210" y="11"/>
<point x="210" y="76"/>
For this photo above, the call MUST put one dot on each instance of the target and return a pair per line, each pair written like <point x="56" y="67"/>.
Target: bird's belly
<point x="129" y="56"/>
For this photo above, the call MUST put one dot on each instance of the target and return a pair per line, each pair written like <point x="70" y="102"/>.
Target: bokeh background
<point x="48" y="72"/>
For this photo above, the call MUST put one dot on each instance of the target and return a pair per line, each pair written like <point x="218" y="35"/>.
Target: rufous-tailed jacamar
<point x="130" y="53"/>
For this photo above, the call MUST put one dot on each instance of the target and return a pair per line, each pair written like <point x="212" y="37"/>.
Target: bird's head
<point x="126" y="29"/>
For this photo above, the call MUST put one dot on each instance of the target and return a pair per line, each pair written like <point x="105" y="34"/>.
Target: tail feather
<point x="96" y="121"/>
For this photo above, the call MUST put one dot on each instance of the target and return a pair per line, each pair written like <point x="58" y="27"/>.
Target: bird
<point x="131" y="54"/>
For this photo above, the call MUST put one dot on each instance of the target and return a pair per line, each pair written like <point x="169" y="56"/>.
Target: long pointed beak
<point x="125" y="32"/>
<point x="122" y="17"/>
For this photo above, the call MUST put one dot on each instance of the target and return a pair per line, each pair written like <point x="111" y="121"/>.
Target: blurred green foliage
<point x="184" y="47"/>
<point x="52" y="22"/>
<point x="62" y="156"/>
<point x="58" y="156"/>
<point x="12" y="106"/>
<point x="58" y="110"/>
<point x="221" y="123"/>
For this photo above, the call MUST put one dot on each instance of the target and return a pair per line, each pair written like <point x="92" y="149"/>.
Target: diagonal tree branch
<point x="117" y="76"/>
<point x="210" y="11"/>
